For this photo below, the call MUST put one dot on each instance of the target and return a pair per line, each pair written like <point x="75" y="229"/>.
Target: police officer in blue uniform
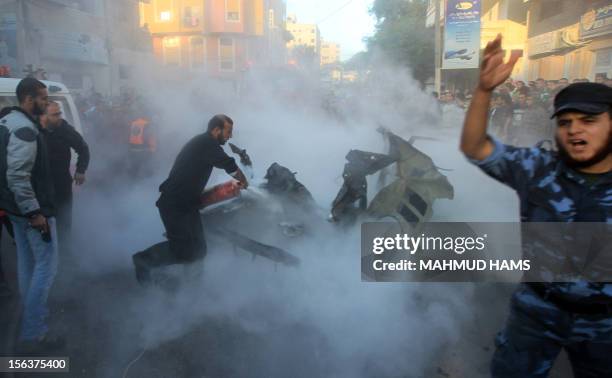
<point x="572" y="184"/>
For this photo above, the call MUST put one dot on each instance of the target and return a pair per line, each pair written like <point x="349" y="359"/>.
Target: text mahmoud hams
<point x="453" y="265"/>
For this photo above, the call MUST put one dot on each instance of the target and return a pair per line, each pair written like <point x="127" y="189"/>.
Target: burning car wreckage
<point x="284" y="203"/>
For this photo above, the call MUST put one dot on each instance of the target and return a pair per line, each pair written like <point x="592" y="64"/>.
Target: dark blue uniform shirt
<point x="549" y="191"/>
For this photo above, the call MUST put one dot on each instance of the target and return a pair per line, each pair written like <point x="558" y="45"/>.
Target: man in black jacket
<point x="179" y="202"/>
<point x="61" y="138"/>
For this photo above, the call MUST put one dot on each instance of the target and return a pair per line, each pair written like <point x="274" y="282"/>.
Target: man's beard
<point x="220" y="139"/>
<point x="600" y="155"/>
<point x="38" y="111"/>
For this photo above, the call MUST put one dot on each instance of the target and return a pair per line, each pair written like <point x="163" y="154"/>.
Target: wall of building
<point x="236" y="34"/>
<point x="330" y="53"/>
<point x="573" y="40"/>
<point x="92" y="52"/>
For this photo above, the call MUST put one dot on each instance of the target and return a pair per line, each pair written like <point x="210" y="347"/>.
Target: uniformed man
<point x="571" y="185"/>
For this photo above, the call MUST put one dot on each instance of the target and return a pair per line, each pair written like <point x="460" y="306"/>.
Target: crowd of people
<point x="36" y="184"/>
<point x="36" y="189"/>
<point x="520" y="111"/>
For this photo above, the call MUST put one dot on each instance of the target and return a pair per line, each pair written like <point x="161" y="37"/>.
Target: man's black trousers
<point x="63" y="201"/>
<point x="186" y="242"/>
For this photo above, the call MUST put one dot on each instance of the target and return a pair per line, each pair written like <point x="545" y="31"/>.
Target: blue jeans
<point x="36" y="269"/>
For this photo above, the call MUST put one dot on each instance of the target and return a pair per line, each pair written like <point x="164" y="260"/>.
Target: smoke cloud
<point x="246" y="317"/>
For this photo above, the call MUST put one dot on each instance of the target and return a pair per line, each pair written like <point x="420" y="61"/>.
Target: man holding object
<point x="570" y="185"/>
<point x="179" y="202"/>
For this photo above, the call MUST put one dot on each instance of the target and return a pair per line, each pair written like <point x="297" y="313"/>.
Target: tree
<point x="401" y="35"/>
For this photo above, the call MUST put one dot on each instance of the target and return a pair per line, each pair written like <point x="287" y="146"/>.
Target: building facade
<point x="569" y="39"/>
<point x="87" y="45"/>
<point x="219" y="37"/>
<point x="506" y="17"/>
<point x="330" y="53"/>
<point x="305" y="45"/>
<point x="559" y="38"/>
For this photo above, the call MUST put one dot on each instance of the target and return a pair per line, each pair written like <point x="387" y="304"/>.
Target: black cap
<point x="589" y="98"/>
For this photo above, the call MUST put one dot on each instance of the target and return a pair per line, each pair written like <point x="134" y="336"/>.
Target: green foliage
<point x="402" y="37"/>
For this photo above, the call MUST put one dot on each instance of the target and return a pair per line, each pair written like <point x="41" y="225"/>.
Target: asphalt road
<point x="101" y="318"/>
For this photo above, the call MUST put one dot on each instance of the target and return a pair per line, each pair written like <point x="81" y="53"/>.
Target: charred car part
<point x="282" y="182"/>
<point x="245" y="159"/>
<point x="408" y="198"/>
<point x="355" y="187"/>
<point x="418" y="183"/>
<point x="269" y="252"/>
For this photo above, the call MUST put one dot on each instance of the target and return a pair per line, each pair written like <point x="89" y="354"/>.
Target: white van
<point x="57" y="92"/>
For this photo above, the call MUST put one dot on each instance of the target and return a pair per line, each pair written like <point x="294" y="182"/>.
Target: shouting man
<point x="571" y="185"/>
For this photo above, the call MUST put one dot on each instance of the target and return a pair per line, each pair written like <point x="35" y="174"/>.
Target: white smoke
<point x="361" y="329"/>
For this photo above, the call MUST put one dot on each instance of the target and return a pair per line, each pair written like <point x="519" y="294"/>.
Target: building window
<point x="191" y="17"/>
<point x="197" y="53"/>
<point x="163" y="10"/>
<point x="232" y="10"/>
<point x="603" y="58"/>
<point x="227" y="55"/>
<point x="550" y="9"/>
<point x="172" y="51"/>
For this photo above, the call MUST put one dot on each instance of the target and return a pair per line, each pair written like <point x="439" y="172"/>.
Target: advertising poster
<point x="461" y="34"/>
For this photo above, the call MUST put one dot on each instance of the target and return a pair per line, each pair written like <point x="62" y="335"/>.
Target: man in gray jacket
<point x="26" y="194"/>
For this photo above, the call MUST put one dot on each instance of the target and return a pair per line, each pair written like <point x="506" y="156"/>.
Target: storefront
<point x="596" y="29"/>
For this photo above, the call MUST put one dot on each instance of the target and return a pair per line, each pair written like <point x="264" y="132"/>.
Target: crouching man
<point x="179" y="202"/>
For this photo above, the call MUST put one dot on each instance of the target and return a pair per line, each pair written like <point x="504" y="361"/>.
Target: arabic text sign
<point x="461" y="34"/>
<point x="596" y="22"/>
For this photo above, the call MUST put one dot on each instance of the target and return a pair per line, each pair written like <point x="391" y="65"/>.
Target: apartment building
<point x="330" y="53"/>
<point x="571" y="39"/>
<point x="219" y="37"/>
<point x="86" y="44"/>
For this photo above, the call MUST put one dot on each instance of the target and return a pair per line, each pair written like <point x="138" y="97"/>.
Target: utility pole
<point x="21" y="24"/>
<point x="438" y="47"/>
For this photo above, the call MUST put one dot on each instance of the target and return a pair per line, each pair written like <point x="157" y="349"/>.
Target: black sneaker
<point x="41" y="347"/>
<point x="143" y="273"/>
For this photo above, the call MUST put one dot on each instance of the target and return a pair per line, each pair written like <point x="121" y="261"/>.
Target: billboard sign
<point x="596" y="22"/>
<point x="462" y="34"/>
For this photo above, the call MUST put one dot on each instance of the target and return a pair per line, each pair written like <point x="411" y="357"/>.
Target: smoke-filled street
<point x="365" y="188"/>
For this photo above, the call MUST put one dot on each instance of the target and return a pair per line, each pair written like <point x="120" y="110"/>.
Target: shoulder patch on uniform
<point x="26" y="134"/>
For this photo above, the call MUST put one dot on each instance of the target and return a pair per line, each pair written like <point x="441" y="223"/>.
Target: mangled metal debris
<point x="282" y="203"/>
<point x="407" y="199"/>
<point x="355" y="187"/>
<point x="275" y="254"/>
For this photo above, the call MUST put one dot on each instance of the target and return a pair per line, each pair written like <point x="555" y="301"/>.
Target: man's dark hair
<point x="218" y="121"/>
<point x="28" y="87"/>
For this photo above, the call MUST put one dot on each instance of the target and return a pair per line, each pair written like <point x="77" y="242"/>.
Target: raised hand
<point x="493" y="70"/>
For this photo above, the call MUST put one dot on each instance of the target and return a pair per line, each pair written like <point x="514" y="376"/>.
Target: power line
<point x="333" y="13"/>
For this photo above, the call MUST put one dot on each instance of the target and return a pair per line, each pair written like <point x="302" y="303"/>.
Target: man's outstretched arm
<point x="475" y="143"/>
